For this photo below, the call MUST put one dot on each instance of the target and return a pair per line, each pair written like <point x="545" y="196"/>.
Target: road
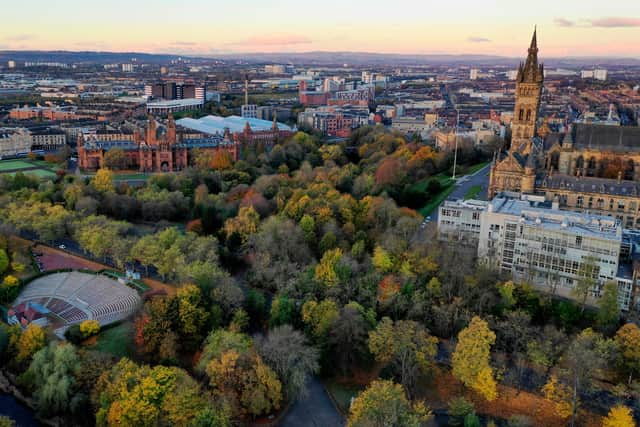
<point x="464" y="184"/>
<point x="316" y="410"/>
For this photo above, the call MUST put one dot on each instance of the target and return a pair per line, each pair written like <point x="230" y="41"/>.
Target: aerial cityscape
<point x="366" y="214"/>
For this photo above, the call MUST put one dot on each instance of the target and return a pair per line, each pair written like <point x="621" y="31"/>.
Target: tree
<point x="115" y="158"/>
<point x="326" y="271"/>
<point x="619" y="416"/>
<point x="287" y="352"/>
<point x="51" y="374"/>
<point x="4" y="261"/>
<point x="628" y="341"/>
<point x="221" y="160"/>
<point x="459" y="409"/>
<point x="31" y="340"/>
<point x="129" y="394"/>
<point x="192" y="316"/>
<point x="89" y="328"/>
<point x="405" y="345"/>
<point x="6" y="421"/>
<point x="382" y="261"/>
<point x="279" y="252"/>
<point x="471" y="358"/>
<point x="609" y="311"/>
<point x="588" y="274"/>
<point x="103" y="181"/>
<point x="348" y="339"/>
<point x="282" y="311"/>
<point x="560" y="395"/>
<point x="319" y="317"/>
<point x="384" y="404"/>
<point x="588" y="353"/>
<point x="245" y="224"/>
<point x="246" y="380"/>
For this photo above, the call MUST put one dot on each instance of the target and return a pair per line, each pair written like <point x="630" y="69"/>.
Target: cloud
<point x="562" y="22"/>
<point x="478" y="40"/>
<point x="179" y="43"/>
<point x="280" y="40"/>
<point x="610" y="22"/>
<point x="20" y="37"/>
<point x="616" y="22"/>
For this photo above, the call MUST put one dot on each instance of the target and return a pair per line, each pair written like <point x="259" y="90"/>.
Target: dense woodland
<point x="306" y="259"/>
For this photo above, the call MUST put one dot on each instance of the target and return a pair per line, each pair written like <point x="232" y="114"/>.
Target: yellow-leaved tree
<point x="326" y="271"/>
<point x="103" y="180"/>
<point x="628" y="342"/>
<point x="471" y="358"/>
<point x="31" y="340"/>
<point x="560" y="395"/>
<point x="406" y="346"/>
<point x="619" y="416"/>
<point x="89" y="328"/>
<point x="384" y="404"/>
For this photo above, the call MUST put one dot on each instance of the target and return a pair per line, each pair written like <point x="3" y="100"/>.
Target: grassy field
<point x="37" y="168"/>
<point x="40" y="173"/>
<point x="473" y="192"/>
<point x="117" y="340"/>
<point x="342" y="394"/>
<point x="447" y="185"/>
<point x="470" y="170"/>
<point x="7" y="165"/>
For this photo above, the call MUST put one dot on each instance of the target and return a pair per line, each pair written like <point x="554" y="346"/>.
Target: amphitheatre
<point x="73" y="296"/>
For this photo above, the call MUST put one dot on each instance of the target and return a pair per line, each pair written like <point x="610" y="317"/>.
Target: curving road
<point x="317" y="410"/>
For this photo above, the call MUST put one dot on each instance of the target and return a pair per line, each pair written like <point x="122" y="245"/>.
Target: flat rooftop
<point x="537" y="213"/>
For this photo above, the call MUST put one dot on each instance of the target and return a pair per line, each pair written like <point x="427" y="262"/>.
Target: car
<point x="62" y="247"/>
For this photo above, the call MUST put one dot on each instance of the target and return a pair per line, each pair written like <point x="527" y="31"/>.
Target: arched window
<point x="521" y="114"/>
<point x="528" y="115"/>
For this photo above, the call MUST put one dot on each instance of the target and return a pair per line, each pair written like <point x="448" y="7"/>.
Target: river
<point x="21" y="414"/>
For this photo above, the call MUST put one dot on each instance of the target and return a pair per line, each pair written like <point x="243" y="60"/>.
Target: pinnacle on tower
<point x="534" y="40"/>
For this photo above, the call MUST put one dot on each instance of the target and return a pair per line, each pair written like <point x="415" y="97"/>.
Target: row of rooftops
<point x="590" y="185"/>
<point x="130" y="145"/>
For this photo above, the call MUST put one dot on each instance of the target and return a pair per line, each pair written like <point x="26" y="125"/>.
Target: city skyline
<point x="496" y="27"/>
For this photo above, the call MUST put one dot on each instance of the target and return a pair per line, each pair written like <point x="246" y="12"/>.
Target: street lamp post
<point x="455" y="136"/>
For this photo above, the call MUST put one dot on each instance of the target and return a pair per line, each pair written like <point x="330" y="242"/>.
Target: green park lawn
<point x="447" y="185"/>
<point x="7" y="165"/>
<point x="117" y="340"/>
<point x="342" y="394"/>
<point x="473" y="192"/>
<point x="40" y="173"/>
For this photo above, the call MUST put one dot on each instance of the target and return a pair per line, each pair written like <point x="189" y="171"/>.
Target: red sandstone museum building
<point x="149" y="150"/>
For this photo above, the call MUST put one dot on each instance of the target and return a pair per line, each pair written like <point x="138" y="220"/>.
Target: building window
<point x="579" y="201"/>
<point x="521" y="114"/>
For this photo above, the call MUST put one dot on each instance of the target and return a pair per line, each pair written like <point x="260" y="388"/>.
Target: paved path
<point x="464" y="184"/>
<point x="316" y="410"/>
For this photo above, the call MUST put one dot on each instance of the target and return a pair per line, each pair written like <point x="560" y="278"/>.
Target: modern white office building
<point x="532" y="240"/>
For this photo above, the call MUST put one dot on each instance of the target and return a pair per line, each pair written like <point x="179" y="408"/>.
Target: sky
<point x="210" y="27"/>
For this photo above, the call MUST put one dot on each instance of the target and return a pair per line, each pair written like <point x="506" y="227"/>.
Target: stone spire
<point x="531" y="71"/>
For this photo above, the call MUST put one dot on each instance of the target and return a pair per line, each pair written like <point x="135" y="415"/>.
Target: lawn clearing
<point x="473" y="192"/>
<point x="427" y="209"/>
<point x="39" y="173"/>
<point x="117" y="340"/>
<point x="8" y="165"/>
<point x="342" y="394"/>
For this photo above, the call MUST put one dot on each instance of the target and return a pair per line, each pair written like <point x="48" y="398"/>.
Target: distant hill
<point x="311" y="58"/>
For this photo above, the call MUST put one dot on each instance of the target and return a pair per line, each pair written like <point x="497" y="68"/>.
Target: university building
<point x="590" y="168"/>
<point x="148" y="150"/>
<point x="529" y="239"/>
